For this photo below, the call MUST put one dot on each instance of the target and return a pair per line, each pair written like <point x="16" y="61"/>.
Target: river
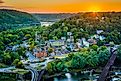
<point x="47" y="23"/>
<point x="86" y="76"/>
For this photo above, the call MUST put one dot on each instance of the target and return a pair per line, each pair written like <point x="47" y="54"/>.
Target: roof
<point x="56" y="41"/>
<point x="41" y="54"/>
<point x="92" y="41"/>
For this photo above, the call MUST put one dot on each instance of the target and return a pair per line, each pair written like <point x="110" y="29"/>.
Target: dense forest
<point x="12" y="19"/>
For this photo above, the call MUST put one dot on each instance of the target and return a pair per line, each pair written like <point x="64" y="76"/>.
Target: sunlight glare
<point x="94" y="9"/>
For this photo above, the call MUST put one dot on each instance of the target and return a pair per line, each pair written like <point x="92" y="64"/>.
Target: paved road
<point x="34" y="73"/>
<point x="6" y="69"/>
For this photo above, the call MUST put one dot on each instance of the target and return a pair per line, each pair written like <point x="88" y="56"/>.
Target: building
<point x="99" y="31"/>
<point x="69" y="33"/>
<point x="92" y="41"/>
<point x="63" y="38"/>
<point x="41" y="54"/>
<point x="57" y="42"/>
<point x="98" y="37"/>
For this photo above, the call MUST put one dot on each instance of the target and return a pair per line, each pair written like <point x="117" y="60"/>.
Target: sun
<point x="94" y="9"/>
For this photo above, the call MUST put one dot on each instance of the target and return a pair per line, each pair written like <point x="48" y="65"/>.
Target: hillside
<point x="12" y="19"/>
<point x="82" y="25"/>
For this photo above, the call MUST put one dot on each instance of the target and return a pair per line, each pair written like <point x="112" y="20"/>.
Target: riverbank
<point x="74" y="72"/>
<point x="87" y="74"/>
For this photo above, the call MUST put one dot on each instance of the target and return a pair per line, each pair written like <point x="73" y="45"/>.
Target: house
<point x="9" y="48"/>
<point x="101" y="37"/>
<point x="58" y="52"/>
<point x="92" y="41"/>
<point x="69" y="33"/>
<point x="84" y="43"/>
<point x="95" y="36"/>
<point x="41" y="54"/>
<point x="63" y="38"/>
<point x="98" y="37"/>
<point x="71" y="46"/>
<point x="25" y="45"/>
<point x="15" y="47"/>
<point x="78" y="45"/>
<point x="70" y="40"/>
<point x="99" y="31"/>
<point x="57" y="42"/>
<point x="52" y="54"/>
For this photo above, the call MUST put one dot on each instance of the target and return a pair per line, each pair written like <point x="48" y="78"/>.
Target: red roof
<point x="41" y="54"/>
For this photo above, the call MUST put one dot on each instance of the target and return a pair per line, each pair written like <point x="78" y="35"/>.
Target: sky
<point x="62" y="6"/>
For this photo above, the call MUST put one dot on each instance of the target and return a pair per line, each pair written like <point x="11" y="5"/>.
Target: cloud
<point x="7" y="7"/>
<point x="1" y="1"/>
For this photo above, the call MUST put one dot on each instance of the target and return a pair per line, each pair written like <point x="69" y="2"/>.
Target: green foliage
<point x="10" y="19"/>
<point x="80" y="60"/>
<point x="92" y="59"/>
<point x="82" y="25"/>
<point x="50" y="50"/>
<point x="119" y="53"/>
<point x="104" y="55"/>
<point x="94" y="47"/>
<point x="18" y="63"/>
<point x="2" y="65"/>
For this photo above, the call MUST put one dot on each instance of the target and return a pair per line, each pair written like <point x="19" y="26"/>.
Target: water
<point x="76" y="77"/>
<point x="47" y="23"/>
<point x="68" y="75"/>
<point x="85" y="76"/>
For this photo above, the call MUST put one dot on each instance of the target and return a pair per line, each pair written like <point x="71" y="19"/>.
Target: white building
<point x="99" y="31"/>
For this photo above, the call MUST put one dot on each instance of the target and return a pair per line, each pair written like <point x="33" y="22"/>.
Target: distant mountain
<point x="52" y="17"/>
<point x="13" y="19"/>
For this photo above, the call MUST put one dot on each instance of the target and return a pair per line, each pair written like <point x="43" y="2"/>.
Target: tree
<point x="32" y="46"/>
<point x="15" y="62"/>
<point x="55" y="38"/>
<point x="94" y="47"/>
<point x="119" y="53"/>
<point x="65" y="29"/>
<point x="103" y="56"/>
<point x="18" y="64"/>
<point x="27" y="36"/>
<point x="50" y="50"/>
<point x="7" y="58"/>
<point x="50" y="67"/>
<point x="92" y="59"/>
<point x="100" y="42"/>
<point x="78" y="62"/>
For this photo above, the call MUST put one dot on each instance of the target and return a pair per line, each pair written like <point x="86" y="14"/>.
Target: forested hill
<point x="90" y="22"/>
<point x="13" y="18"/>
<point x="82" y="25"/>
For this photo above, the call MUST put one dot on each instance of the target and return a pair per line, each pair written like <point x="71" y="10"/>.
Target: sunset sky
<point x="48" y="6"/>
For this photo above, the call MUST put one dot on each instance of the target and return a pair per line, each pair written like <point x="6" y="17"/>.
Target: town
<point x="83" y="46"/>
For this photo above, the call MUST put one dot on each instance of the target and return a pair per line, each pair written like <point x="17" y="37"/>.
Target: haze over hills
<point x="52" y="17"/>
<point x="13" y="18"/>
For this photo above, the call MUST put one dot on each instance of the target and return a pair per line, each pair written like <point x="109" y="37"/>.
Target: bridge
<point x="36" y="75"/>
<point x="40" y="75"/>
<point x="106" y="69"/>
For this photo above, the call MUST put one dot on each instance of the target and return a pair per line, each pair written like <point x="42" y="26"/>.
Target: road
<point x="34" y="73"/>
<point x="7" y="69"/>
